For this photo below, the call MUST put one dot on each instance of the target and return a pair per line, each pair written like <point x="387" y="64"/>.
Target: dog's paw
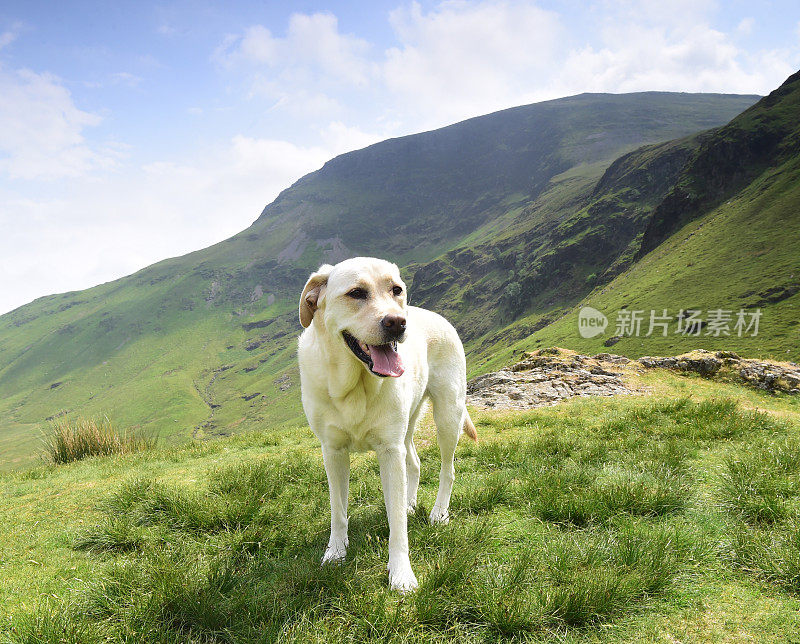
<point x="439" y="516"/>
<point x="333" y="556"/>
<point x="402" y="578"/>
<point x="334" y="553"/>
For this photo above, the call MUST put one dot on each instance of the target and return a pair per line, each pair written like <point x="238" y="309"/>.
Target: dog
<point x="369" y="363"/>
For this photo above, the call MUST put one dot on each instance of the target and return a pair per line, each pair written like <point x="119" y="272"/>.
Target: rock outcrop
<point x="547" y="376"/>
<point x="761" y="374"/>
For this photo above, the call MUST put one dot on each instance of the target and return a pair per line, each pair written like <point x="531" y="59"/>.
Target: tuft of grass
<point x="491" y="492"/>
<point x="759" y="484"/>
<point x="772" y="555"/>
<point x="570" y="579"/>
<point x="580" y="495"/>
<point x="50" y="624"/>
<point x="72" y="440"/>
<point x="759" y="489"/>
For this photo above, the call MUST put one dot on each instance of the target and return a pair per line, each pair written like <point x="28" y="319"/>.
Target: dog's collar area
<point x="356" y="347"/>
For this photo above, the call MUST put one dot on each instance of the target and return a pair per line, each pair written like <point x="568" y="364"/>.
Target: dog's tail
<point x="469" y="428"/>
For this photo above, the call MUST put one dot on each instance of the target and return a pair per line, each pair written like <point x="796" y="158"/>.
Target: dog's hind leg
<point x="449" y="414"/>
<point x="412" y="458"/>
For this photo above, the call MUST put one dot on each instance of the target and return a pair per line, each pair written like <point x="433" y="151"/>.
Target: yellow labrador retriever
<point x="368" y="362"/>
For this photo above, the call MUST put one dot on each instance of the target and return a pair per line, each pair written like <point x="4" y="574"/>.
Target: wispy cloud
<point x="745" y="26"/>
<point x="312" y="46"/>
<point x="165" y="29"/>
<point x="126" y="78"/>
<point x="462" y="58"/>
<point x="42" y="130"/>
<point x="10" y="35"/>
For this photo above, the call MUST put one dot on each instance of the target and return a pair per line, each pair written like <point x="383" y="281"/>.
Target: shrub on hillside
<point x="73" y="440"/>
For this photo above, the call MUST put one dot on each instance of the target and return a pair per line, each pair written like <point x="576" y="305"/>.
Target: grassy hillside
<point x="736" y="248"/>
<point x="203" y="344"/>
<point x="671" y="517"/>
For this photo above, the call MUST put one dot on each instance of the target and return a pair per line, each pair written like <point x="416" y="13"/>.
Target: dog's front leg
<point x="337" y="467"/>
<point x="392" y="461"/>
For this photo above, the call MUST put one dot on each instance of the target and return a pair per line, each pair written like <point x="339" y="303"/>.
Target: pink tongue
<point x="385" y="360"/>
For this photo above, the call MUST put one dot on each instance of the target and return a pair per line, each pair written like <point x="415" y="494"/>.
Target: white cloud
<point x="745" y="26"/>
<point x="312" y="44"/>
<point x="303" y="72"/>
<point x="674" y="13"/>
<point x="466" y="58"/>
<point x="256" y="45"/>
<point x="41" y="129"/>
<point x="126" y="78"/>
<point x="301" y="99"/>
<point x="462" y="58"/>
<point x="692" y="58"/>
<point x="6" y="38"/>
<point x="340" y="138"/>
<point x="10" y="35"/>
<point x="165" y="29"/>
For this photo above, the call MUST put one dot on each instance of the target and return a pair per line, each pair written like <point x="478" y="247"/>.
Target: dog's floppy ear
<point x="310" y="296"/>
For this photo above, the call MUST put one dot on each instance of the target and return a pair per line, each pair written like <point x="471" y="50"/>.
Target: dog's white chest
<point x="360" y="437"/>
<point x="350" y="421"/>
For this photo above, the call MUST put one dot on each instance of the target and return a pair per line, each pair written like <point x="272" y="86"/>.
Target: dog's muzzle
<point x="381" y="359"/>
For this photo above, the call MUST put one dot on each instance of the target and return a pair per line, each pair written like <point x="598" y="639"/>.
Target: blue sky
<point x="135" y="131"/>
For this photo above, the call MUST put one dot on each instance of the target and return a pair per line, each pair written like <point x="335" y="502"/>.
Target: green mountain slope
<point x="421" y="194"/>
<point x="204" y="344"/>
<point x="734" y="219"/>
<point x="582" y="230"/>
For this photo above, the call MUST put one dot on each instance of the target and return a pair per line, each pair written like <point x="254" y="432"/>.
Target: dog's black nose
<point x="394" y="325"/>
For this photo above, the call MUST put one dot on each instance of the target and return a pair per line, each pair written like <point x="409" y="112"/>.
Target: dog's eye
<point x="357" y="294"/>
<point x="397" y="290"/>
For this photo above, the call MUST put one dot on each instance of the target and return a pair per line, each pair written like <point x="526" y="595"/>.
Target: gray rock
<point x="547" y="377"/>
<point x="762" y="374"/>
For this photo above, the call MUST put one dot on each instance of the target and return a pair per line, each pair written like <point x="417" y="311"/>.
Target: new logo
<point x="591" y="322"/>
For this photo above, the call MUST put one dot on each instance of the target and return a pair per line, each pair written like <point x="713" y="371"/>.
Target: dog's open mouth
<point x="382" y="359"/>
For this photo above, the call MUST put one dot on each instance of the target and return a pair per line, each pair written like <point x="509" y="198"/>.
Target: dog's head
<point x="360" y="302"/>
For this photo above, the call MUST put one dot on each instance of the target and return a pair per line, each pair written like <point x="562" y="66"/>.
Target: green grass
<point x="597" y="520"/>
<point x="760" y="489"/>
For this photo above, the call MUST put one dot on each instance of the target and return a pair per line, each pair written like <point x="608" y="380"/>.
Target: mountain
<point x="725" y="237"/>
<point x="506" y="218"/>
